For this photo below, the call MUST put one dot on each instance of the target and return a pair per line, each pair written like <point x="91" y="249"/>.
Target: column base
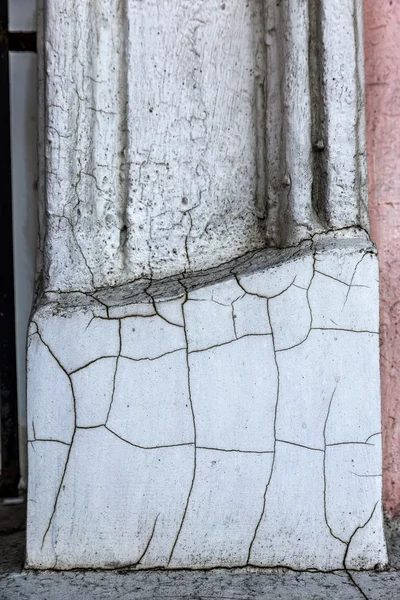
<point x="225" y="419"/>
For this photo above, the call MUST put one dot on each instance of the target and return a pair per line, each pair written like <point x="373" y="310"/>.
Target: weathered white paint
<point x="190" y="133"/>
<point x="218" y="399"/>
<point x="208" y="450"/>
<point x="161" y="168"/>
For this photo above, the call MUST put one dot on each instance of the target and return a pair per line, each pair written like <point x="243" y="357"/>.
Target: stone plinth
<point x="226" y="419"/>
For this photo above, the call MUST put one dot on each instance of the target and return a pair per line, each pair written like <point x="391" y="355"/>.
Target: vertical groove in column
<point x="315" y="129"/>
<point x="260" y="108"/>
<point x="318" y="112"/>
<point x="105" y="176"/>
<point x="274" y="122"/>
<point x="299" y="220"/>
<point x="343" y="100"/>
<point x="123" y="125"/>
<point x="291" y="214"/>
<point x="363" y="216"/>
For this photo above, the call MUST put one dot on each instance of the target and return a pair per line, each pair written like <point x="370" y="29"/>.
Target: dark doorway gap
<point x="15" y="41"/>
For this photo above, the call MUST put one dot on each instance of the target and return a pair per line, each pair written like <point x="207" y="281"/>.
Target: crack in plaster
<point x="234" y="319"/>
<point x="115" y="371"/>
<point x="373" y="435"/>
<point x="58" y="491"/>
<point x="343" y="329"/>
<point x="324" y="467"/>
<point x="261" y="295"/>
<point x="275" y="441"/>
<point x="141" y="557"/>
<point x="340" y="281"/>
<point x="149" y="358"/>
<point x="154" y="357"/>
<point x="194" y="432"/>
<point x="349" y="444"/>
<point x="72" y="438"/>
<point x="299" y="445"/>
<point x="345" y="568"/>
<point x="147" y="447"/>
<point x="352" y="279"/>
<point x="133" y="316"/>
<point x="358" y="475"/>
<point x="235" y="450"/>
<point x="236" y="339"/>
<point x="47" y="440"/>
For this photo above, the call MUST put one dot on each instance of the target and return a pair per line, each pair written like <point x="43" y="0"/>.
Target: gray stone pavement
<point x="218" y="584"/>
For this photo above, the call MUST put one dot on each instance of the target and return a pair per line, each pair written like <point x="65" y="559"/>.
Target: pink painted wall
<point x="382" y="65"/>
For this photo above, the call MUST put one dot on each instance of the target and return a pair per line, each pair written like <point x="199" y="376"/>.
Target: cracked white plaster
<point x="92" y="402"/>
<point x="219" y="524"/>
<point x="279" y="278"/>
<point x="150" y="337"/>
<point x="101" y="506"/>
<point x="353" y="473"/>
<point x="48" y="418"/>
<point x="242" y="413"/>
<point x="48" y="459"/>
<point x="148" y="418"/>
<point x="171" y="310"/>
<point x="296" y="485"/>
<point x="233" y="389"/>
<point x="77" y="337"/>
<point x="250" y="316"/>
<point x="291" y="317"/>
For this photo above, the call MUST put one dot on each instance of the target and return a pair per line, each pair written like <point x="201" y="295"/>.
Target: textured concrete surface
<point x="200" y="131"/>
<point x="382" y="70"/>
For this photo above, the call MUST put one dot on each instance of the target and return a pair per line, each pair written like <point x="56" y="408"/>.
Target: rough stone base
<point x="226" y="419"/>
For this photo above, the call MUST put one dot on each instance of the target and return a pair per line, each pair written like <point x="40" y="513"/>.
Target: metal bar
<point x="21" y="41"/>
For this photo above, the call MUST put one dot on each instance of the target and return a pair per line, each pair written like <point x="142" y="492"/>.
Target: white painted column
<point x="203" y="372"/>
